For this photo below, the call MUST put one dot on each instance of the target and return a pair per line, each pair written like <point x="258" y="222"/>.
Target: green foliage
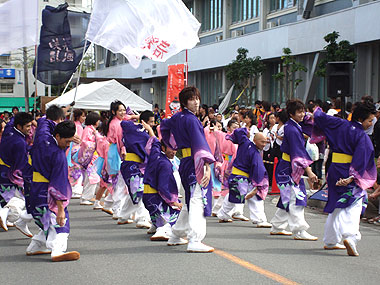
<point x="335" y="51"/>
<point x="244" y="71"/>
<point x="287" y="75"/>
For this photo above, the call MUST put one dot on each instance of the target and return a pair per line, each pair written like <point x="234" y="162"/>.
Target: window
<point x="5" y="60"/>
<point x="211" y="15"/>
<point x="190" y="6"/>
<point x="243" y="10"/>
<point x="282" y="4"/>
<point x="6" y="87"/>
<point x="276" y="88"/>
<point x="210" y="86"/>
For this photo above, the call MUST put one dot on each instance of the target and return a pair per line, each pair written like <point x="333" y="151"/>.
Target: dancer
<point x="14" y="167"/>
<point x="352" y="171"/>
<point x="50" y="194"/>
<point x="184" y="131"/>
<point x="248" y="176"/>
<point x="295" y="161"/>
<point x="135" y="137"/>
<point x="160" y="190"/>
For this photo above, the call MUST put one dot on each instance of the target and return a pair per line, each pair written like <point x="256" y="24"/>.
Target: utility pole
<point x="26" y="81"/>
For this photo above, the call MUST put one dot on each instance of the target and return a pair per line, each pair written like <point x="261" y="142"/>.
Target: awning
<point x="7" y="103"/>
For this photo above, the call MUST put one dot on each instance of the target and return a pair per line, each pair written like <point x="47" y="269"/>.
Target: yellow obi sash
<point x="37" y="177"/>
<point x="130" y="156"/>
<point x="3" y="163"/>
<point x="149" y="190"/>
<point x="186" y="152"/>
<point x="341" y="158"/>
<point x="237" y="171"/>
<point x="286" y="156"/>
<point x="226" y="157"/>
<point x="29" y="159"/>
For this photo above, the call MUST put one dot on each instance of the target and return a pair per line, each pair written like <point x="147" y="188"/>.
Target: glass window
<point x="6" y="87"/>
<point x="190" y="5"/>
<point x="243" y="10"/>
<point x="210" y="86"/>
<point x="276" y="89"/>
<point x="211" y="15"/>
<point x="282" y="4"/>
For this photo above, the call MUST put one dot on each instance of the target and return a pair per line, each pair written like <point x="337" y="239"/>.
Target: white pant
<point x="78" y="187"/>
<point x="343" y="223"/>
<point x="295" y="218"/>
<point x="16" y="206"/>
<point x="238" y="209"/>
<point x="256" y="210"/>
<point x="117" y="199"/>
<point x="88" y="189"/>
<point x="129" y="209"/>
<point x="192" y="223"/>
<point x="56" y="242"/>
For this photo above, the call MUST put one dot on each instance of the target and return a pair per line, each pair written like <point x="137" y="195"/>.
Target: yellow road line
<point x="276" y="277"/>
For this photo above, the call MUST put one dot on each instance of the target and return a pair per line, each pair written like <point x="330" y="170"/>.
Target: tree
<point x="287" y="75"/>
<point x="244" y="72"/>
<point x="335" y="51"/>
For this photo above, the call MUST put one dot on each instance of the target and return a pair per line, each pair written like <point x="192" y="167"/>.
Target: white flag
<point x="18" y="24"/>
<point x="157" y="29"/>
<point x="226" y="101"/>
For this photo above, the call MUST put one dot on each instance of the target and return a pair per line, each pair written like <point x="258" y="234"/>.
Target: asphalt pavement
<point x="123" y="254"/>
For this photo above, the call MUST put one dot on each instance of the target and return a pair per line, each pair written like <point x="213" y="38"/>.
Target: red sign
<point x="175" y="85"/>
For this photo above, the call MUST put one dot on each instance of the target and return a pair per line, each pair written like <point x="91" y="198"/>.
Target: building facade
<point x="264" y="27"/>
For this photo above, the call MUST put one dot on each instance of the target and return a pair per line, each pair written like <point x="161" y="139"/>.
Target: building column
<point x="264" y="8"/>
<point x="227" y="18"/>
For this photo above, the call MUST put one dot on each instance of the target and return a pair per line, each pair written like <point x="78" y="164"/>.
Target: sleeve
<point x="322" y="124"/>
<point x="199" y="147"/>
<point x="239" y="136"/>
<point x="59" y="188"/>
<point x="258" y="175"/>
<point x="20" y="163"/>
<point x="363" y="167"/>
<point x="166" y="134"/>
<point x="87" y="147"/>
<point x="167" y="186"/>
<point x="153" y="146"/>
<point x="299" y="157"/>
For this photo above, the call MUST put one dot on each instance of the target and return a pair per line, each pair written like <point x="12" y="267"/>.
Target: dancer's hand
<point x="206" y="176"/>
<point x="148" y="128"/>
<point x="77" y="139"/>
<point x="251" y="194"/>
<point x="177" y="205"/>
<point x="61" y="216"/>
<point x="344" y="181"/>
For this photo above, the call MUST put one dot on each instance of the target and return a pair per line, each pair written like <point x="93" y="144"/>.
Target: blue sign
<point x="7" y="73"/>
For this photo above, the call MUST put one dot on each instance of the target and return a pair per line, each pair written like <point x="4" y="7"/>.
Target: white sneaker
<point x="225" y="220"/>
<point x="3" y="218"/>
<point x="240" y="217"/>
<point x="160" y="235"/>
<point x="76" y="196"/>
<point x="114" y="216"/>
<point x="86" y="202"/>
<point x="334" y="246"/>
<point x="152" y="230"/>
<point x="37" y="248"/>
<point x="22" y="226"/>
<point x="263" y="225"/>
<point x="107" y="210"/>
<point x="280" y="232"/>
<point x="199" y="247"/>
<point x="121" y="221"/>
<point x="143" y="225"/>
<point x="304" y="235"/>
<point x="10" y="225"/>
<point x="97" y="205"/>
<point x="174" y="240"/>
<point x="351" y="247"/>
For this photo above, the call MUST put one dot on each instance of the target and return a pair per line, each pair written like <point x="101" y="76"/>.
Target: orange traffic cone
<point x="275" y="189"/>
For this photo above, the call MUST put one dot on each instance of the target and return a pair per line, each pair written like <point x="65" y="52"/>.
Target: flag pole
<point x="186" y="70"/>
<point x="76" y="88"/>
<point x="35" y="72"/>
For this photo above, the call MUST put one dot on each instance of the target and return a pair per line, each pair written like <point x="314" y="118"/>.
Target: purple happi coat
<point x="349" y="138"/>
<point x="288" y="174"/>
<point x="14" y="164"/>
<point x="159" y="176"/>
<point x="135" y="139"/>
<point x="248" y="159"/>
<point x="182" y="131"/>
<point x="50" y="184"/>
